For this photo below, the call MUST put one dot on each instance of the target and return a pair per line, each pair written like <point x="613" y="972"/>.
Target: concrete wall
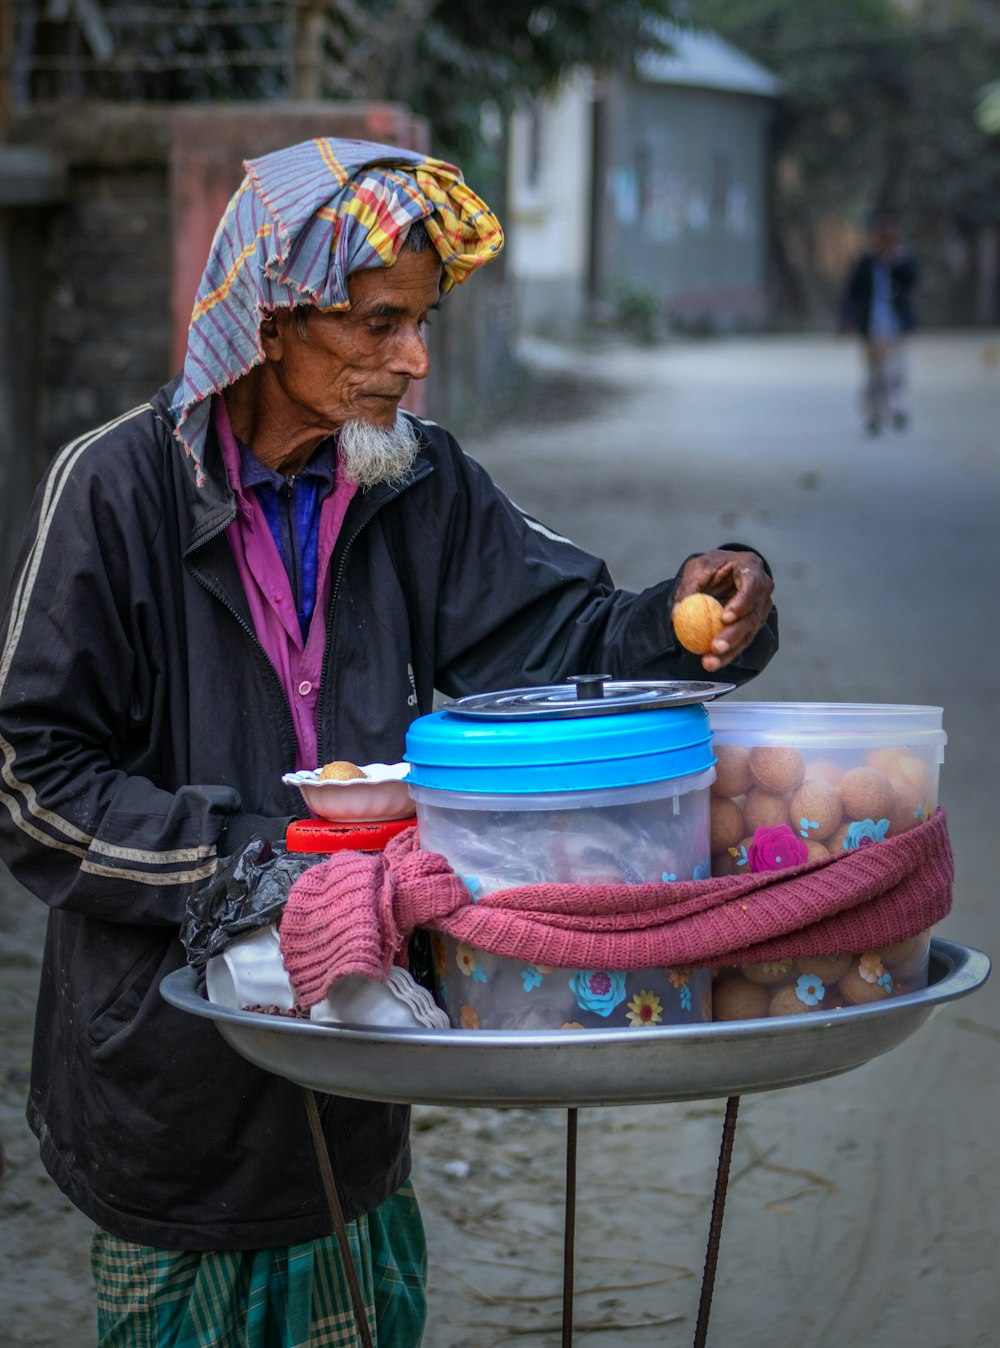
<point x="550" y="186"/>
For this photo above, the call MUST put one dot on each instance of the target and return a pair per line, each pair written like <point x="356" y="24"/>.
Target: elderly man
<point x="268" y="566"/>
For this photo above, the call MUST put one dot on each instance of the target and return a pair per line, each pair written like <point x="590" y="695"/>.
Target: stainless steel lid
<point x="586" y="695"/>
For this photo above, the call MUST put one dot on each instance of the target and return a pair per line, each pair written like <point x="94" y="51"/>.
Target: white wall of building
<point x="549" y="196"/>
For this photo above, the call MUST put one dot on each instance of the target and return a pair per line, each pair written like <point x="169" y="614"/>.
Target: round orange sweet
<point x="882" y="759"/>
<point x="907" y="810"/>
<point x="727" y="862"/>
<point x="727" y="825"/>
<point x="836" y="845"/>
<point x="697" y="622"/>
<point x="777" y="768"/>
<point x="815" y="851"/>
<point x="825" y="770"/>
<point x="340" y="771"/>
<point x="866" y="793"/>
<point x="732" y="770"/>
<point x="829" y="969"/>
<point x="775" y="971"/>
<point x="815" y="809"/>
<point x="908" y="772"/>
<point x="738" y="999"/>
<point x="859" y="990"/>
<point x="787" y="1002"/>
<point x="764" y="809"/>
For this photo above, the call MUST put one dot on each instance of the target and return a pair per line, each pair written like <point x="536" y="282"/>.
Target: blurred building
<point x="646" y="194"/>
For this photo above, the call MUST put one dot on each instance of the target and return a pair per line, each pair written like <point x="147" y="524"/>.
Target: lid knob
<point x="589" y="687"/>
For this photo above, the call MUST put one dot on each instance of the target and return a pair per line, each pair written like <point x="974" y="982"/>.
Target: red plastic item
<point x="320" y="835"/>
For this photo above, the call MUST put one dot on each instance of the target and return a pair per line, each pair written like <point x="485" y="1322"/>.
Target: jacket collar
<point x="212" y="505"/>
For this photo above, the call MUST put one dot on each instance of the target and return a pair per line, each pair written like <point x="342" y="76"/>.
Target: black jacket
<point x="856" y="299"/>
<point x="144" y="734"/>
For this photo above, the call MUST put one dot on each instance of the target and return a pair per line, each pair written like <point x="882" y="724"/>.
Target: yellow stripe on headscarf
<point x="462" y="228"/>
<point x="215" y="296"/>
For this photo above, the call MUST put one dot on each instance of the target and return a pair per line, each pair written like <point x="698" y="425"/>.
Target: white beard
<point x="370" y="454"/>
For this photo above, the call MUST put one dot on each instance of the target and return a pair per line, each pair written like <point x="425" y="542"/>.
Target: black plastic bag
<point x="247" y="892"/>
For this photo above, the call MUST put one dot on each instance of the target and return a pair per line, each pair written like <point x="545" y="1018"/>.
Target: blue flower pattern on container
<point x="864" y="832"/>
<point x="741" y="855"/>
<point x="474" y="885"/>
<point x="467" y="962"/>
<point x="806" y="824"/>
<point x="668" y="876"/>
<point x="702" y="871"/>
<point x="530" y="977"/>
<point x="598" y="990"/>
<point x="810" y="990"/>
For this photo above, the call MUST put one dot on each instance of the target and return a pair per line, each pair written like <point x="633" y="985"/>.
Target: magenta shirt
<point x="269" y="593"/>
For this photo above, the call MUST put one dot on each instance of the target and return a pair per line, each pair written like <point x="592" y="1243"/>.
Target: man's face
<point x="355" y="365"/>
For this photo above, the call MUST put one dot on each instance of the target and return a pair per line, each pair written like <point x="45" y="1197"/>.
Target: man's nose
<point x="412" y="358"/>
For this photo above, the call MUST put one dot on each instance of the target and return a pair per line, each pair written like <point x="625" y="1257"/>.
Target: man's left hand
<point x="740" y="583"/>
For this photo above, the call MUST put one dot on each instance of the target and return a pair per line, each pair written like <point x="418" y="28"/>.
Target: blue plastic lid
<point x="453" y="751"/>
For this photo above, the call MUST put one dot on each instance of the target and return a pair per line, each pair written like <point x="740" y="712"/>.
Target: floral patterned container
<point x="483" y="991"/>
<point x="663" y="838"/>
<point x="799" y="781"/>
<point x="599" y="798"/>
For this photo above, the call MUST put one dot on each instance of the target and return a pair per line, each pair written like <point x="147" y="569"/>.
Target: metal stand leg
<point x="337" y="1213"/>
<point x="715" y="1227"/>
<point x="569" y="1230"/>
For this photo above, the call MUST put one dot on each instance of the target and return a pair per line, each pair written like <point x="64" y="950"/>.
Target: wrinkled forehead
<point x="408" y="290"/>
<point x="415" y="281"/>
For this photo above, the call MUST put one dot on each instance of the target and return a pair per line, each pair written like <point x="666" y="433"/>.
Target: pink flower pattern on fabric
<point x="775" y="849"/>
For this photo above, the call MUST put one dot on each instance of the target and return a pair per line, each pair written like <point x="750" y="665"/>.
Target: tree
<point x="453" y="59"/>
<point x="450" y="60"/>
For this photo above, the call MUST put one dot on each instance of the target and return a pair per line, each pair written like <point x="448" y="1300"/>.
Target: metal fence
<point x="112" y="49"/>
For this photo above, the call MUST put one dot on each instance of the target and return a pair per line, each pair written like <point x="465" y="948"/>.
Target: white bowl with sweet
<point x="355" y="792"/>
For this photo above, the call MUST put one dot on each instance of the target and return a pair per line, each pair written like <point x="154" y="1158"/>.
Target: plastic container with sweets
<point x="533" y="786"/>
<point x="797" y="781"/>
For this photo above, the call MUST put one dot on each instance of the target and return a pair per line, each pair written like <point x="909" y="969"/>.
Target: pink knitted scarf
<point x="354" y="913"/>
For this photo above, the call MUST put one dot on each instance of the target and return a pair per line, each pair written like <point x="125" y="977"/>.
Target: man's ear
<point x="271" y="336"/>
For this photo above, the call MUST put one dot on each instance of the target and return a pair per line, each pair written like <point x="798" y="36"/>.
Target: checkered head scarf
<point x="303" y="220"/>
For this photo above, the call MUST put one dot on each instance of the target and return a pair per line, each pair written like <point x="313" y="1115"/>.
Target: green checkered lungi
<point x="295" y="1296"/>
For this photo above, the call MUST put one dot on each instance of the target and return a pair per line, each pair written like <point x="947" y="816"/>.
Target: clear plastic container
<point x="799" y="781"/>
<point x="609" y="799"/>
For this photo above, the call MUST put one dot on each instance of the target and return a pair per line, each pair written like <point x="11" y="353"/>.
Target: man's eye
<point x="379" y="328"/>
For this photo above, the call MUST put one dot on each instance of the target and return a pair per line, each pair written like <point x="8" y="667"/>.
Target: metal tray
<point x="572" y="1068"/>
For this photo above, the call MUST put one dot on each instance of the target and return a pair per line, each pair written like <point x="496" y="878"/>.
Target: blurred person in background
<point x="876" y="305"/>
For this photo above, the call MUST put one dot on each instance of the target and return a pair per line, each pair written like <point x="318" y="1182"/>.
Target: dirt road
<point x="864" y="1209"/>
